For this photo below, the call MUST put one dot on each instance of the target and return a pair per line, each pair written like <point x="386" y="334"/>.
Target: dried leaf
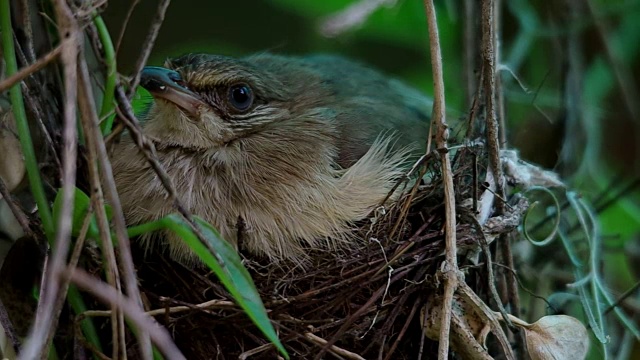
<point x="12" y="167"/>
<point x="468" y="332"/>
<point x="557" y="337"/>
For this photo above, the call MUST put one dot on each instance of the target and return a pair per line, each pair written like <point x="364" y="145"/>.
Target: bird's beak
<point x="168" y="84"/>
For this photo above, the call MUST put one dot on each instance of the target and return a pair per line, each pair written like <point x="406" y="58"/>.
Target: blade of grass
<point x="107" y="110"/>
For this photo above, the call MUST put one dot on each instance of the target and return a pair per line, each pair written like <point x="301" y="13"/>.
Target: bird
<point x="281" y="154"/>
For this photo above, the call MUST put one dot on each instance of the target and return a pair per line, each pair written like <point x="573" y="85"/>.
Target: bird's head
<point x="208" y="101"/>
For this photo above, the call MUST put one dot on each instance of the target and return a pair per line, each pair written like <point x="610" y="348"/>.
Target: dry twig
<point x="470" y="51"/>
<point x="125" y="23"/>
<point x="487" y="316"/>
<point x="334" y="349"/>
<point x="109" y="295"/>
<point x="170" y="310"/>
<point x="97" y="202"/>
<point x="489" y="40"/>
<point x="36" y="66"/>
<point x="90" y="122"/>
<point x="449" y="267"/>
<point x="148" y="45"/>
<point x="54" y="291"/>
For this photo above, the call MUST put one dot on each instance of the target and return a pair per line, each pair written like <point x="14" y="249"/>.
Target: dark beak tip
<point x="167" y="84"/>
<point x="155" y="78"/>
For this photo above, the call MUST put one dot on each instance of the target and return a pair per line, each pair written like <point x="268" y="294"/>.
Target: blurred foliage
<point x="583" y="129"/>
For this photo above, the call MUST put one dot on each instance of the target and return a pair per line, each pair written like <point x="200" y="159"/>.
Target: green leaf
<point x="81" y="204"/>
<point x="141" y="101"/>
<point x="227" y="265"/>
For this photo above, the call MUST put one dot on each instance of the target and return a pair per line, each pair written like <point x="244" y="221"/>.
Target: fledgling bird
<point x="285" y="153"/>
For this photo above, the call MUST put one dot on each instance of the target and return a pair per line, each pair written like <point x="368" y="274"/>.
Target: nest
<point x="364" y="303"/>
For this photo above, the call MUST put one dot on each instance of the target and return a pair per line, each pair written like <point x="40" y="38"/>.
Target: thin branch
<point x="314" y="339"/>
<point x="94" y="137"/>
<point x="97" y="201"/>
<point x="475" y="108"/>
<point x="624" y="296"/>
<point x="491" y="280"/>
<point x="149" y="41"/>
<point x="470" y="51"/>
<point x="412" y="313"/>
<point x="512" y="283"/>
<point x="489" y="59"/>
<point x="502" y="130"/>
<point x="36" y="66"/>
<point x="134" y="3"/>
<point x="218" y="304"/>
<point x="109" y="295"/>
<point x="262" y="348"/>
<point x="39" y="118"/>
<point x="449" y="267"/>
<point x="27" y="27"/>
<point x="489" y="68"/>
<point x="50" y="305"/>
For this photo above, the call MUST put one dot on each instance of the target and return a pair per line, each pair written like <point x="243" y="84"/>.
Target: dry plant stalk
<point x="160" y="335"/>
<point x="449" y="268"/>
<point x="53" y="292"/>
<point x="492" y="95"/>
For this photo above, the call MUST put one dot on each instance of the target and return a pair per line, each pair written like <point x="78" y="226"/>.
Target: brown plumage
<point x="287" y="152"/>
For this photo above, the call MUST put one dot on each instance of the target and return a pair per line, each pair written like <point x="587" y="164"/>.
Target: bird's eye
<point x="241" y="97"/>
